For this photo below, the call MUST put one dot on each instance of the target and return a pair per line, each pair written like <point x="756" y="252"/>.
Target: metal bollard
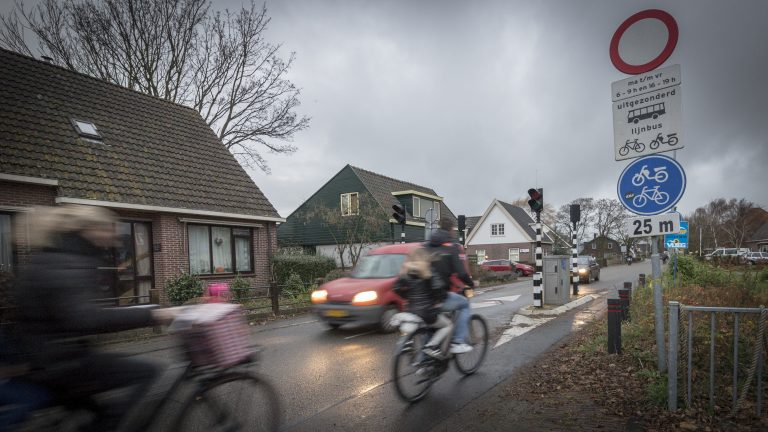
<point x="624" y="295"/>
<point x="641" y="281"/>
<point x="614" y="326"/>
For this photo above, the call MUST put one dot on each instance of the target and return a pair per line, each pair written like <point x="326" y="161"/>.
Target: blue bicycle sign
<point x="651" y="185"/>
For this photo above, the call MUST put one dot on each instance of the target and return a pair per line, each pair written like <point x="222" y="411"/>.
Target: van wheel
<point x="597" y="278"/>
<point x="333" y="326"/>
<point x="386" y="316"/>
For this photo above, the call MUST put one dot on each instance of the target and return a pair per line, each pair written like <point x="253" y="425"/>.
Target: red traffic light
<point x="537" y="200"/>
<point x="534" y="194"/>
<point x="399" y="213"/>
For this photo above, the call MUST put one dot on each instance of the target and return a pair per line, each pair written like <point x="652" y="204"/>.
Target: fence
<point x="741" y="358"/>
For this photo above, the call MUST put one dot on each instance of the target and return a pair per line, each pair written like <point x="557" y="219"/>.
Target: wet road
<point x="341" y="379"/>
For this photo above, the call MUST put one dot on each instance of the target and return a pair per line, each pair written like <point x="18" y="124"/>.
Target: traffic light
<point x="575" y="213"/>
<point x="537" y="200"/>
<point x="399" y="213"/>
<point x="462" y="223"/>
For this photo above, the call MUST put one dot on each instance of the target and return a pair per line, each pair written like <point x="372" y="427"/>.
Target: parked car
<point x="725" y="252"/>
<point x="366" y="296"/>
<point x="507" y="266"/>
<point x="752" y="258"/>
<point x="588" y="268"/>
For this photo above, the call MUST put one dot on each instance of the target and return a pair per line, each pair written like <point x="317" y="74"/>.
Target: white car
<point x="726" y="252"/>
<point x="752" y="258"/>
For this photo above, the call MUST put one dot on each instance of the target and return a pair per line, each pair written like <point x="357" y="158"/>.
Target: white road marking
<point x="520" y="324"/>
<point x="484" y="304"/>
<point x="507" y="298"/>
<point x="361" y="334"/>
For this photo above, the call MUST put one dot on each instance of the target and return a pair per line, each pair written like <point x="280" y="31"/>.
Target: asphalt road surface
<point x="341" y="379"/>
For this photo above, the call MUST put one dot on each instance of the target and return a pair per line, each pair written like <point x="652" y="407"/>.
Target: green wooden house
<point x="353" y="212"/>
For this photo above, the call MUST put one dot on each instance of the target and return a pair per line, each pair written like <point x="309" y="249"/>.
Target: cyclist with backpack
<point x="446" y="263"/>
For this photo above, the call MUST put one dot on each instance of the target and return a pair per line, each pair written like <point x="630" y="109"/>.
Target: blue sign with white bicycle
<point x="651" y="185"/>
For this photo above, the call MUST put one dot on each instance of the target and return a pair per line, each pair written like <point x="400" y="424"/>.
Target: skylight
<point x="86" y="129"/>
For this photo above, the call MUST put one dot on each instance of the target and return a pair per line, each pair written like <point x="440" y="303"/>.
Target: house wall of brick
<point x="169" y="237"/>
<point x="501" y="251"/>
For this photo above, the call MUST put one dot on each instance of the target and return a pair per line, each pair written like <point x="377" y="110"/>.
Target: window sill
<point x="224" y="275"/>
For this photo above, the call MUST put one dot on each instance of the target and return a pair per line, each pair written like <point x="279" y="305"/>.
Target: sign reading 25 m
<point x="668" y="223"/>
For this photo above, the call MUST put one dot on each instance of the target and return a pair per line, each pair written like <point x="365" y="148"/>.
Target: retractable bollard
<point x="641" y="280"/>
<point x="624" y="301"/>
<point x="614" y="326"/>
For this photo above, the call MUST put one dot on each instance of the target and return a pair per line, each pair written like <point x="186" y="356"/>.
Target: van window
<point x="378" y="266"/>
<point x="730" y="251"/>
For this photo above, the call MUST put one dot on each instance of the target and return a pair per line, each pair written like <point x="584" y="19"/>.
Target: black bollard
<point x="641" y="282"/>
<point x="624" y="301"/>
<point x="614" y="326"/>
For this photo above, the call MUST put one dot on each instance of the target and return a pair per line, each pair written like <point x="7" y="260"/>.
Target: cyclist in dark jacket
<point x="56" y="294"/>
<point x="425" y="292"/>
<point x="446" y="262"/>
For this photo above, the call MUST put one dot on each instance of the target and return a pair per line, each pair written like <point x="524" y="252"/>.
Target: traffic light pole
<point x="575" y="264"/>
<point x="402" y="233"/>
<point x="538" y="297"/>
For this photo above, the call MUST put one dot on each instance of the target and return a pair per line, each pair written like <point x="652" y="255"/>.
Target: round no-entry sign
<point x="672" y="34"/>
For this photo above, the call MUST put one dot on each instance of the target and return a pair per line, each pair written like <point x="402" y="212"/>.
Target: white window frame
<point x="516" y="254"/>
<point x="610" y="245"/>
<point x="416" y="207"/>
<point x="345" y="204"/>
<point x="594" y="246"/>
<point x="497" y="230"/>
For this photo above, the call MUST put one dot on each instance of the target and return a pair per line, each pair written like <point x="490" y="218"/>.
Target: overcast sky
<point x="483" y="100"/>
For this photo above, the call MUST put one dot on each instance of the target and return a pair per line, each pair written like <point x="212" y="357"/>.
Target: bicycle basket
<point x="214" y="334"/>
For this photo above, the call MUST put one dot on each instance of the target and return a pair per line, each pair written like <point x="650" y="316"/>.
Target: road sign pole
<point x="574" y="263"/>
<point x="538" y="294"/>
<point x="658" y="307"/>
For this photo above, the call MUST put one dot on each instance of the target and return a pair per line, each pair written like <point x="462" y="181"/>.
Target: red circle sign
<point x="660" y="15"/>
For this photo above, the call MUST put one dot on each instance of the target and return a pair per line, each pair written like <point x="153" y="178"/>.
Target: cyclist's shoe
<point x="460" y="348"/>
<point x="432" y="351"/>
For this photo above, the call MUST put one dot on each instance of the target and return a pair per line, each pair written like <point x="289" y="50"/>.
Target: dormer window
<point x="86" y="129"/>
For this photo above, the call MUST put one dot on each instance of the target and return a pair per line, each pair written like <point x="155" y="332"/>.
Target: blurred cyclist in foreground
<point x="55" y="294"/>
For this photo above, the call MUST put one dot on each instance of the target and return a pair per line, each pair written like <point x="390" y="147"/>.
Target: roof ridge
<point x="387" y="177"/>
<point x="99" y="80"/>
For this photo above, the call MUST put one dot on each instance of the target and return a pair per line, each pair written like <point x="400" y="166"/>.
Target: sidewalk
<point x="537" y="398"/>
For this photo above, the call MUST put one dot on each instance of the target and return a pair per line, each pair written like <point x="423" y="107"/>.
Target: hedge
<point x="307" y="267"/>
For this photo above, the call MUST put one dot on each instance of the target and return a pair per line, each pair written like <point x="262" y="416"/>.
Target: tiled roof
<point x="381" y="187"/>
<point x="153" y="153"/>
<point x="524" y="220"/>
<point x="760" y="234"/>
<point x="472" y="221"/>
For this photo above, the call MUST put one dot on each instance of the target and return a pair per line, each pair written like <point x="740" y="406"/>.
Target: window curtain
<point x="243" y="253"/>
<point x="222" y="249"/>
<point x="6" y="252"/>
<point x="199" y="250"/>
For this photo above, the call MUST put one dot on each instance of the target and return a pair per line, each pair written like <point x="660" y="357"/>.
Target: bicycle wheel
<point x="234" y="401"/>
<point x="411" y="369"/>
<point x="469" y="362"/>
<point x="623" y="151"/>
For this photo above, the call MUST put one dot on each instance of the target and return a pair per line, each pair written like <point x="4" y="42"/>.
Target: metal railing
<point x="756" y="365"/>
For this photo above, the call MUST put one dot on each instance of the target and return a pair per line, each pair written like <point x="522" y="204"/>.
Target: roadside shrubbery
<point x="307" y="267"/>
<point x="183" y="287"/>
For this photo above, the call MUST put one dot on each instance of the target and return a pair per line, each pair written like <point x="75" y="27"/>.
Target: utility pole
<point x="537" y="205"/>
<point x="575" y="218"/>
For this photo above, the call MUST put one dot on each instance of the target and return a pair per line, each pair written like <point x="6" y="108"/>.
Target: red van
<point x="366" y="296"/>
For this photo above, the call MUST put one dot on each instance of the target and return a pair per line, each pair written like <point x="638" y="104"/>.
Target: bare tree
<point x="609" y="217"/>
<point x="351" y="233"/>
<point x="724" y="223"/>
<point x="563" y="218"/>
<point x="215" y="62"/>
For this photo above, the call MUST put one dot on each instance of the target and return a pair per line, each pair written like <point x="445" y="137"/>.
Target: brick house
<point x="504" y="231"/>
<point x="349" y="190"/>
<point x="183" y="201"/>
<point x="602" y="247"/>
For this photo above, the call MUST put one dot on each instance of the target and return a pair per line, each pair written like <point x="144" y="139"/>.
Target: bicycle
<point x="414" y="372"/>
<point x="631" y="145"/>
<point x="212" y="398"/>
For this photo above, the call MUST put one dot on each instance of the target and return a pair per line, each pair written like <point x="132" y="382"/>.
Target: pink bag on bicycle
<point x="213" y="334"/>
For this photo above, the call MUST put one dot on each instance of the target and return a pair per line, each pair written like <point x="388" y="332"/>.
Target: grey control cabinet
<point x="557" y="277"/>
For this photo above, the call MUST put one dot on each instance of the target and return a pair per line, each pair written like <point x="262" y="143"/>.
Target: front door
<point x="133" y="256"/>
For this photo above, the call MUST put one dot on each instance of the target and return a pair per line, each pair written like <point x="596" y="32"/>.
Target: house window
<point x="594" y="246"/>
<point x="416" y="207"/>
<point x="480" y="255"/>
<point x="497" y="229"/>
<point x="610" y="245"/>
<point x="6" y="243"/>
<point x="217" y="249"/>
<point x="350" y="204"/>
<point x="86" y="129"/>
<point x="514" y="254"/>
